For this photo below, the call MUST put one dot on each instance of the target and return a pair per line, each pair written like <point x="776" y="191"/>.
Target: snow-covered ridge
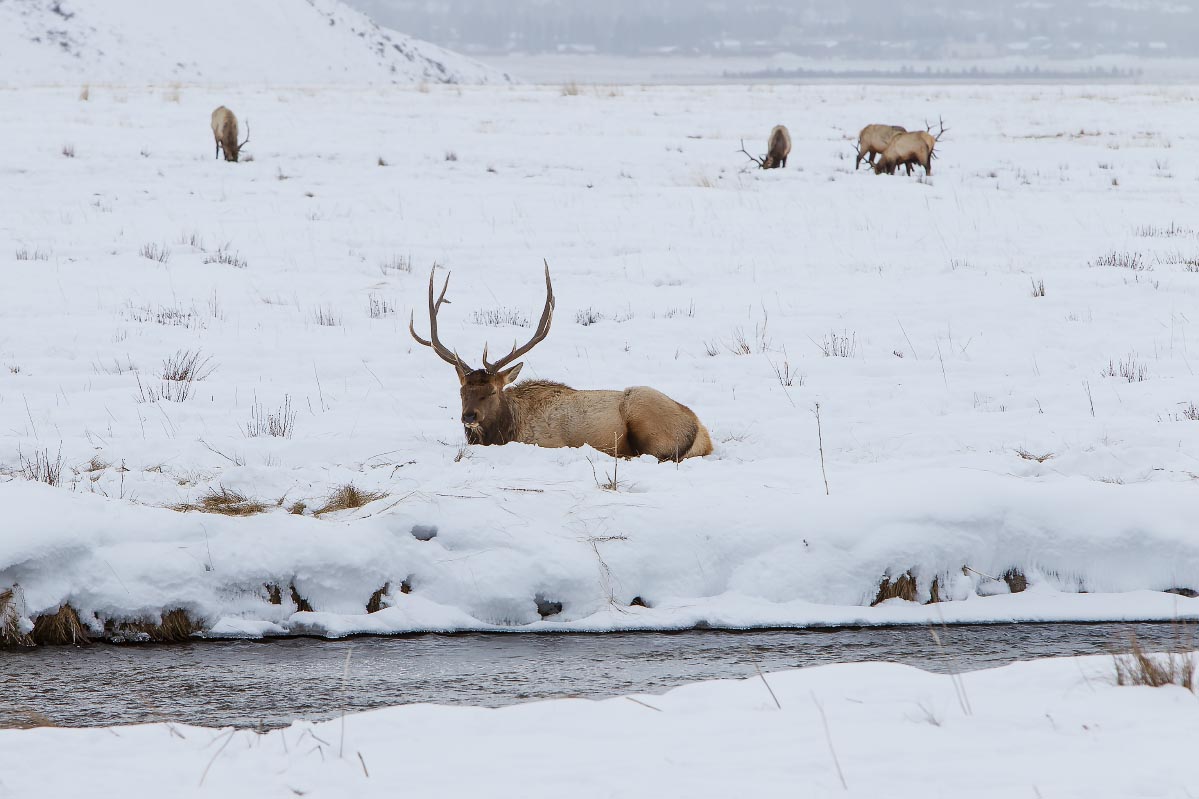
<point x="281" y="42"/>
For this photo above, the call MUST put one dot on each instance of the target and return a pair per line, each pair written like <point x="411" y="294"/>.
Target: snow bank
<point x="976" y="438"/>
<point x="1050" y="728"/>
<point x="282" y="42"/>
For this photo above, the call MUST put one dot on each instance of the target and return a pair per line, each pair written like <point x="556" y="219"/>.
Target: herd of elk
<point x="629" y="423"/>
<point x="224" y="130"/>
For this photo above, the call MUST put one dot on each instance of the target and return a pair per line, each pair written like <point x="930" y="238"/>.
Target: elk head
<point x="485" y="412"/>
<point x="236" y="149"/>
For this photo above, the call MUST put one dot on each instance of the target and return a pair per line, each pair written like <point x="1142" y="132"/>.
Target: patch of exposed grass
<point x="375" y="603"/>
<point x="173" y="627"/>
<point x="1123" y="260"/>
<point x="1128" y="368"/>
<point x="280" y="423"/>
<point x="901" y="587"/>
<point x="155" y="252"/>
<point x="347" y="497"/>
<point x="1138" y="667"/>
<point x="62" y="628"/>
<point x="225" y="257"/>
<point x="1032" y="456"/>
<point x="500" y="317"/>
<point x="224" y="501"/>
<point x="39" y="468"/>
<point x="11" y="633"/>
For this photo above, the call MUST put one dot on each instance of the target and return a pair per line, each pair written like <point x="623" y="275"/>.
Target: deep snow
<point x="215" y="42"/>
<point x="654" y="229"/>
<point x="1053" y="728"/>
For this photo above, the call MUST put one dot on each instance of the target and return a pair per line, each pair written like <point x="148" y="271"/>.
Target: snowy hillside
<point x="281" y="42"/>
<point x="1003" y="357"/>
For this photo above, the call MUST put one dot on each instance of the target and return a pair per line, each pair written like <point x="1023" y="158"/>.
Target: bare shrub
<point x="1122" y="260"/>
<point x="180" y="372"/>
<point x="838" y="345"/>
<point x="280" y="423"/>
<point x="228" y="258"/>
<point x="1191" y="412"/>
<point x="155" y="252"/>
<point x="26" y="254"/>
<point x="500" y="317"/>
<point x="396" y="263"/>
<point x="40" y="468"/>
<point x="1128" y="368"/>
<point x="347" y="497"/>
<point x="223" y="501"/>
<point x="68" y="150"/>
<point x="379" y="307"/>
<point x="325" y="317"/>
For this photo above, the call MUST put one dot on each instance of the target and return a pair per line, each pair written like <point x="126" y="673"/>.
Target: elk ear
<point x="509" y="375"/>
<point x="461" y="374"/>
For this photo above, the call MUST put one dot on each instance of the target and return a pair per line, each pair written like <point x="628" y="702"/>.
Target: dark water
<point x="270" y="683"/>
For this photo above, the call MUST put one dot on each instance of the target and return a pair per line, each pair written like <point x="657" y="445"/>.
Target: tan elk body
<point x="778" y="148"/>
<point x="224" y="131"/>
<point x="635" y="421"/>
<point x="906" y="149"/>
<point x="873" y="140"/>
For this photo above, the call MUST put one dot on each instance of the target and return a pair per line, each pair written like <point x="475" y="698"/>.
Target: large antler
<point x="433" y="342"/>
<point x="243" y="144"/>
<point x="543" y="329"/>
<point x="761" y="162"/>
<point x="940" y="132"/>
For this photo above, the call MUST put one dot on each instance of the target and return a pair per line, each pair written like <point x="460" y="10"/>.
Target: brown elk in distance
<point x="224" y="130"/>
<point x="904" y="150"/>
<point x="778" y="147"/>
<point x="873" y="140"/>
<point x="635" y="421"/>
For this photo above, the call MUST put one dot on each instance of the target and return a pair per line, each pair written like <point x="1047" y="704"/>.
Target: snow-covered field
<point x="1053" y="728"/>
<point x="970" y="429"/>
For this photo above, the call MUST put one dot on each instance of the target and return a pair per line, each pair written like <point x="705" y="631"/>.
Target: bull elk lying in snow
<point x="224" y="130"/>
<point x="873" y="140"/>
<point x="629" y="423"/>
<point x="778" y="147"/>
<point x="907" y="149"/>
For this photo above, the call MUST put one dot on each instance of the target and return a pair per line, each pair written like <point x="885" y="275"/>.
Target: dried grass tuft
<point x="11" y="633"/>
<point x="173" y="627"/>
<point x="375" y="603"/>
<point x="62" y="628"/>
<point x="901" y="587"/>
<point x="225" y="502"/>
<point x="300" y="602"/>
<point x="1138" y="667"/>
<point x="347" y="497"/>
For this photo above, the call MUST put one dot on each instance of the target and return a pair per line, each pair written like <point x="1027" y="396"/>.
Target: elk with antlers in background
<point x="778" y="147"/>
<point x="635" y="421"/>
<point x="224" y="130"/>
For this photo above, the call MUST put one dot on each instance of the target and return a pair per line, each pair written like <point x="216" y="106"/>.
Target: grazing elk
<point x="224" y="130"/>
<point x="907" y="149"/>
<point x="778" y="147"/>
<point x="873" y="140"/>
<point x="629" y="423"/>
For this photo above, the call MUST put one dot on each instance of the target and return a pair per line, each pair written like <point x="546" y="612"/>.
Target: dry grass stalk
<point x="174" y="627"/>
<point x="11" y="633"/>
<point x="62" y="628"/>
<point x="225" y="502"/>
<point x="901" y="587"/>
<point x="1138" y="667"/>
<point x="375" y="603"/>
<point x="1029" y="456"/>
<point x="347" y="497"/>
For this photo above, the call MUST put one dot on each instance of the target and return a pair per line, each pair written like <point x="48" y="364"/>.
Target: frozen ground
<point x="1056" y="728"/>
<point x="971" y="430"/>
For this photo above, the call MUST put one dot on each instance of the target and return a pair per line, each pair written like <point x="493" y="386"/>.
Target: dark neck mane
<point x="499" y="430"/>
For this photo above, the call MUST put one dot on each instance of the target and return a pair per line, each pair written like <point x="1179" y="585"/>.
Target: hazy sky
<point x="847" y="29"/>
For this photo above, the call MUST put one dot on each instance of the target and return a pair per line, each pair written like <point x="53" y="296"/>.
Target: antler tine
<point x="754" y="158"/>
<point x="243" y="144"/>
<point x="433" y="341"/>
<point x="543" y="329"/>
